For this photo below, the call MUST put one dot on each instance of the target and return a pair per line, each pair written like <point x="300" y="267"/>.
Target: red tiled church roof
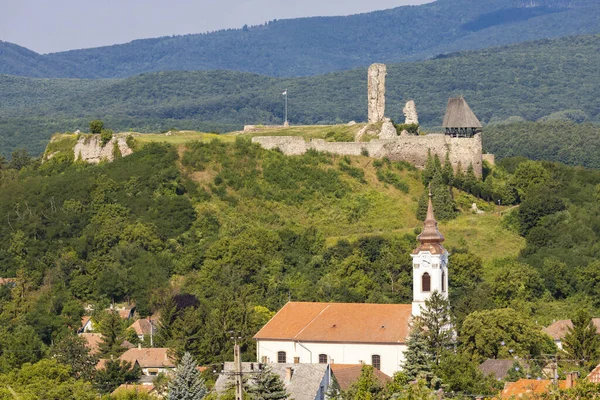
<point x="339" y="322"/>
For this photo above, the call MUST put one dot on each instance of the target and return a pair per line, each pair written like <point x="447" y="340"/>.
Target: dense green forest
<point x="217" y="236"/>
<point x="309" y="46"/>
<point x="532" y="81"/>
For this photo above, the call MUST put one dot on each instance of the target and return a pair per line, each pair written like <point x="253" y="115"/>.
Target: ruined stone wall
<point x="413" y="149"/>
<point x="376" y="92"/>
<point x="90" y="149"/>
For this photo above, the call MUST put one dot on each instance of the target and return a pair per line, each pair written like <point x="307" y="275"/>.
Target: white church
<point x="355" y="333"/>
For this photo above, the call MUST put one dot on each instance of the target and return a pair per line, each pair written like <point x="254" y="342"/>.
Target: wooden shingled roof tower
<point x="460" y="121"/>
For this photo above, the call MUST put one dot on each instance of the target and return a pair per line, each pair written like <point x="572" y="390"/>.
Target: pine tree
<point x="448" y="171"/>
<point x="459" y="177"/>
<point x="437" y="164"/>
<point x="187" y="384"/>
<point x="470" y="179"/>
<point x="582" y="341"/>
<point x="110" y="326"/>
<point x="443" y="203"/>
<point x="168" y="314"/>
<point x="267" y="385"/>
<point x="417" y="359"/>
<point x="429" y="170"/>
<point x="435" y="317"/>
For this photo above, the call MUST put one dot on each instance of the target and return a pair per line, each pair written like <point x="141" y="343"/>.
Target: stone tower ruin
<point x="376" y="92"/>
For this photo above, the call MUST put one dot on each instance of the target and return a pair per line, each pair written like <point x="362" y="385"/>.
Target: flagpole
<point x="286" y="108"/>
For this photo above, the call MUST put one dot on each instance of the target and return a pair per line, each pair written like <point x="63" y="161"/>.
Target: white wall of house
<point x="391" y="355"/>
<point x="150" y="371"/>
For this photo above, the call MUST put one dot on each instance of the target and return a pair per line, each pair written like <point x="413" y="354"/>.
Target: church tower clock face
<point x="430" y="261"/>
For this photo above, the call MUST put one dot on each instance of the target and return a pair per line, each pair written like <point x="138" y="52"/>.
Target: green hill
<point x="309" y="46"/>
<point x="237" y="231"/>
<point x="530" y="80"/>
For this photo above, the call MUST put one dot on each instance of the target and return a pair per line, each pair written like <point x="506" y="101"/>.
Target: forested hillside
<point x="217" y="236"/>
<point x="309" y="46"/>
<point x="532" y="81"/>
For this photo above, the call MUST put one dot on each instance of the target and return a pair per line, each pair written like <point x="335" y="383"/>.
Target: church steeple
<point x="430" y="263"/>
<point x="430" y="234"/>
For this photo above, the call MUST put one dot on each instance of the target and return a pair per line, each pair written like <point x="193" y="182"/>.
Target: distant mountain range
<point x="310" y="46"/>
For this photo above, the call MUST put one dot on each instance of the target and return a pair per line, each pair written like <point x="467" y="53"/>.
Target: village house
<point x="152" y="361"/>
<point x="145" y="329"/>
<point x="558" y="330"/>
<point x="348" y="333"/>
<point x="302" y="381"/>
<point x="524" y="388"/>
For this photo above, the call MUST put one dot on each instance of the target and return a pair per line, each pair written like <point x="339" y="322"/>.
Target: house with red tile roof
<point x="347" y="374"/>
<point x="152" y="361"/>
<point x="525" y="388"/>
<point x="558" y="329"/>
<point x="350" y="333"/>
<point x="145" y="329"/>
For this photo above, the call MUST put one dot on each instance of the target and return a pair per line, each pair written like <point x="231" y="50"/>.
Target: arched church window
<point x="376" y="361"/>
<point x="426" y="282"/>
<point x="443" y="281"/>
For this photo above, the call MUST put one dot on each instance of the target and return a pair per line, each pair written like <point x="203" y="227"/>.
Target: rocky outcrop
<point x="376" y="92"/>
<point x="410" y="113"/>
<point x="89" y="148"/>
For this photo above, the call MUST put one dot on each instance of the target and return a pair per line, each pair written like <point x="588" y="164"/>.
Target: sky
<point x="47" y="26"/>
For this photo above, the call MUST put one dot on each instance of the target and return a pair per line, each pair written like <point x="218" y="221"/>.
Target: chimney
<point x="289" y="371"/>
<point x="139" y="346"/>
<point x="571" y="376"/>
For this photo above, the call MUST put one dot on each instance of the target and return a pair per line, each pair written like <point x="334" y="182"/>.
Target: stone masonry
<point x="89" y="149"/>
<point x="410" y="113"/>
<point x="376" y="92"/>
<point x="413" y="149"/>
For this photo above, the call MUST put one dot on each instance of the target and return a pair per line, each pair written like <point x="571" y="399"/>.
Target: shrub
<point x="413" y="129"/>
<point x="96" y="126"/>
<point x="106" y="136"/>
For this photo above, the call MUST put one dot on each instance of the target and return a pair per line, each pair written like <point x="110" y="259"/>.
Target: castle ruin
<point x="376" y="93"/>
<point x="461" y="140"/>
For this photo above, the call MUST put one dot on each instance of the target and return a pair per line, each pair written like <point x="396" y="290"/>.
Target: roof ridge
<point x="312" y="320"/>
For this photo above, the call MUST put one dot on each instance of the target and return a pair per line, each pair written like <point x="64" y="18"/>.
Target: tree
<point x="582" y="341"/>
<point x="429" y="170"/>
<point x="114" y="374"/>
<point x="72" y="351"/>
<point x="502" y="333"/>
<point x="111" y="327"/>
<point x="96" y="126"/>
<point x="367" y="387"/>
<point x="46" y="379"/>
<point x="417" y="358"/>
<point x="187" y="384"/>
<point x="20" y="159"/>
<point x="459" y="373"/>
<point x="267" y="385"/>
<point x="435" y="319"/>
<point x="448" y="170"/>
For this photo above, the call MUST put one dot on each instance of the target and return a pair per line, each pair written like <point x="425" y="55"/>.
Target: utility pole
<point x="285" y="122"/>
<point x="237" y="361"/>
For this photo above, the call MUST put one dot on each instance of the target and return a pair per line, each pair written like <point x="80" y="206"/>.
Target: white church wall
<point x="391" y="355"/>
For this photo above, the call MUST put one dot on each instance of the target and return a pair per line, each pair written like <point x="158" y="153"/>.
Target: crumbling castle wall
<point x="410" y="113"/>
<point x="413" y="149"/>
<point x="376" y="92"/>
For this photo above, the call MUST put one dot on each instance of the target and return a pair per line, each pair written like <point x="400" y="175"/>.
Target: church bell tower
<point x="430" y="263"/>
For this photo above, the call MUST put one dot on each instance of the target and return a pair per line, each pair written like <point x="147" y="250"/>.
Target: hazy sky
<point x="54" y="25"/>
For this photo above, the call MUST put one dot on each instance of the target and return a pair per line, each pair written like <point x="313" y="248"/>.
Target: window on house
<point x="376" y="361"/>
<point x="443" y="281"/>
<point x="322" y="358"/>
<point x="281" y="357"/>
<point x="426" y="282"/>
